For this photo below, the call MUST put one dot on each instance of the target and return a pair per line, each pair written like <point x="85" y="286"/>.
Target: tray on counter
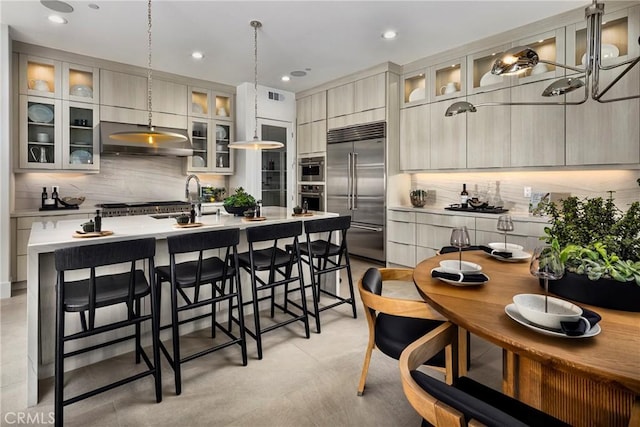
<point x="488" y="209"/>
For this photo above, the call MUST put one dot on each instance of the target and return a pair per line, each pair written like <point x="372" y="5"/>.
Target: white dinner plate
<point x="512" y="312"/>
<point x="453" y="266"/>
<point x="81" y="90"/>
<point x="78" y="157"/>
<point x="198" y="161"/>
<point x="608" y="51"/>
<point x="40" y="113"/>
<point x="221" y="133"/>
<point x="196" y="108"/>
<point x="417" y="94"/>
<point x="458" y="283"/>
<point x="499" y="246"/>
<point x="490" y="79"/>
<point x="516" y="256"/>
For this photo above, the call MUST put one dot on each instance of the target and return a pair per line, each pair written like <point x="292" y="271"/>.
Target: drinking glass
<point x="505" y="223"/>
<point x="546" y="264"/>
<point x="460" y="239"/>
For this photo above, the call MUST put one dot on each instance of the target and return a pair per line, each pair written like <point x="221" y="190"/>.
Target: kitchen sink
<point x="165" y="216"/>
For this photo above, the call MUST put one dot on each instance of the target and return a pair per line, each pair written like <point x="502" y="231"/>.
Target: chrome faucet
<point x="186" y="189"/>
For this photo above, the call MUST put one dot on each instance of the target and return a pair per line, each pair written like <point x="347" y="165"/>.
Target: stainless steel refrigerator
<point x="355" y="183"/>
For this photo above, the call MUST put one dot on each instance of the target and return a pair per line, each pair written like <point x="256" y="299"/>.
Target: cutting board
<point x="190" y="225"/>
<point x="260" y="218"/>
<point x="82" y="234"/>
<point x="303" y="214"/>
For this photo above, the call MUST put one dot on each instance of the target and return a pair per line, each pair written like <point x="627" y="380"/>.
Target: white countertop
<point x="46" y="236"/>
<point x="88" y="209"/>
<point x="517" y="216"/>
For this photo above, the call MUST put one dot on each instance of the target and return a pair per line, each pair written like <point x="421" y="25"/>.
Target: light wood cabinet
<point x="370" y="93"/>
<point x="80" y="83"/>
<point x="340" y="100"/>
<point x="40" y="133"/>
<point x="368" y="116"/>
<point x="211" y="152"/>
<point x="312" y="124"/>
<point x="433" y="231"/>
<point x="40" y="77"/>
<point x="549" y="46"/>
<point x="168" y="97"/>
<point x="489" y="131"/>
<point x="448" y="136"/>
<point x="401" y="238"/>
<point x="448" y="80"/>
<point x="81" y="140"/>
<point x="479" y="77"/>
<point x="319" y="106"/>
<point x="123" y="90"/>
<point x="415" y="146"/>
<point x="414" y="88"/>
<point x="537" y="131"/>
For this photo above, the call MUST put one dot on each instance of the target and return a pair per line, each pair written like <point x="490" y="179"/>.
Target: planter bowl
<point x="606" y="293"/>
<point x="237" y="210"/>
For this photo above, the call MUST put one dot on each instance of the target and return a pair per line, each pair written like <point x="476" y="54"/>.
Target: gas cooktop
<point x="144" y="208"/>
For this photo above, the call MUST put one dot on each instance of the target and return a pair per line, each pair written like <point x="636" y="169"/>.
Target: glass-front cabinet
<point x="40" y="77"/>
<point x="200" y="105"/>
<point x="40" y="133"/>
<point x="223" y="154"/>
<point x="448" y="79"/>
<point x="201" y="143"/>
<point x="80" y="83"/>
<point x="81" y="148"/>
<point x="415" y="88"/>
<point x="211" y="152"/>
<point x="549" y="46"/>
<point x="479" y="77"/>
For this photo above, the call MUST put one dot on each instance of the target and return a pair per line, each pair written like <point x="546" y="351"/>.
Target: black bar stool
<point x="276" y="261"/>
<point x="98" y="291"/>
<point x="321" y="255"/>
<point x="212" y="271"/>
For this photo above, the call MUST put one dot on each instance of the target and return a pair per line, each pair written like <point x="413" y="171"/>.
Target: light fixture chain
<point x="149" y="81"/>
<point x="255" y="79"/>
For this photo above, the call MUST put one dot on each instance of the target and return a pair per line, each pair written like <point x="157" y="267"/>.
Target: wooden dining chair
<point x="465" y="402"/>
<point x="394" y="323"/>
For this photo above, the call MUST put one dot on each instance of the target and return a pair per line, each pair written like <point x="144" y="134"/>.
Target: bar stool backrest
<point x="274" y="231"/>
<point x="341" y="223"/>
<point x="192" y="242"/>
<point x="79" y="257"/>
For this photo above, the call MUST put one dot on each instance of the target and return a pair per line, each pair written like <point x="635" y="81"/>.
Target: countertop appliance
<point x="311" y="169"/>
<point x="144" y="208"/>
<point x="355" y="184"/>
<point x="313" y="194"/>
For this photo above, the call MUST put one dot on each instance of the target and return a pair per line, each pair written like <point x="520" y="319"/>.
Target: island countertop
<point x="47" y="236"/>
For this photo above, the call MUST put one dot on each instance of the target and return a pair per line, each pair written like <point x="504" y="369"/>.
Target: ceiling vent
<point x="275" y="96"/>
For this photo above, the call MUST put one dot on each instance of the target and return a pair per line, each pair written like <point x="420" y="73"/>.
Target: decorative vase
<point x="237" y="210"/>
<point x="606" y="293"/>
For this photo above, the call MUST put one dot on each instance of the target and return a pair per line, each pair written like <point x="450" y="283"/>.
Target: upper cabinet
<point x="205" y="103"/>
<point x="362" y="95"/>
<point x="448" y="137"/>
<point x="40" y="77"/>
<point x="80" y="83"/>
<point x="414" y="88"/>
<point x="489" y="131"/>
<point x="414" y="138"/>
<point x="479" y="77"/>
<point x="211" y="152"/>
<point x="123" y="90"/>
<point x="168" y="97"/>
<point x="311" y="112"/>
<point x="340" y="100"/>
<point x="448" y="80"/>
<point x="549" y="46"/>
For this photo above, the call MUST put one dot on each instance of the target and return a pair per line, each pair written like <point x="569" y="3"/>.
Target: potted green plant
<point x="239" y="202"/>
<point x="218" y="194"/>
<point x="600" y="248"/>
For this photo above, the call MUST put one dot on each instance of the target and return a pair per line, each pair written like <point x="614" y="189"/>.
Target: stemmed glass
<point x="460" y="239"/>
<point x="546" y="264"/>
<point x="505" y="223"/>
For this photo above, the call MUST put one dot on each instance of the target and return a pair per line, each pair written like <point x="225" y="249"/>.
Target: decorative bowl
<point x="183" y="219"/>
<point x="297" y="210"/>
<point x="72" y="201"/>
<point x="237" y="210"/>
<point x="531" y="307"/>
<point x="249" y="213"/>
<point x="418" y="198"/>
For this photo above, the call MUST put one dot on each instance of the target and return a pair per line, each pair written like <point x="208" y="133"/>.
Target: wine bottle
<point x="97" y="222"/>
<point x="464" y="197"/>
<point x="192" y="218"/>
<point x="44" y="196"/>
<point x="54" y="195"/>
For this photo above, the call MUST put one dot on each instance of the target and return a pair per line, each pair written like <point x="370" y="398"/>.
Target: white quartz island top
<point x="50" y="235"/>
<point x="47" y="236"/>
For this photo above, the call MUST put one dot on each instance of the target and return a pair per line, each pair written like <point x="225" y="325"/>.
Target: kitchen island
<point x="48" y="236"/>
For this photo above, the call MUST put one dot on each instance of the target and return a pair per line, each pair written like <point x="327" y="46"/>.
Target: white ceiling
<point x="331" y="38"/>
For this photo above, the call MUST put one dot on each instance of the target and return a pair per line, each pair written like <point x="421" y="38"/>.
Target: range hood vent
<point x="113" y="146"/>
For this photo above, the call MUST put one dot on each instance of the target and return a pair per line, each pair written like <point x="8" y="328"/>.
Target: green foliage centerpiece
<point x="239" y="202"/>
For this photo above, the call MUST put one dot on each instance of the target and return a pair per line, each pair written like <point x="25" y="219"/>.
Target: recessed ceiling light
<point x="285" y="78"/>
<point x="57" y="19"/>
<point x="389" y="35"/>
<point x="93" y="6"/>
<point x="197" y="55"/>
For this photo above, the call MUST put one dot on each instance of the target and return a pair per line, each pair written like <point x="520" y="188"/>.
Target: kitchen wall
<point x="121" y="179"/>
<point x="585" y="183"/>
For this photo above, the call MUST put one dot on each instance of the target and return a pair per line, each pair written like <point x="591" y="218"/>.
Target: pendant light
<point x="519" y="59"/>
<point x="149" y="135"/>
<point x="256" y="143"/>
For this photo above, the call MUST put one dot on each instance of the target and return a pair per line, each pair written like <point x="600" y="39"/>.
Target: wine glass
<point x="505" y="223"/>
<point x="460" y="239"/>
<point x="546" y="264"/>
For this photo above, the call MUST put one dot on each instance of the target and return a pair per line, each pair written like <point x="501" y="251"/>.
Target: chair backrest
<point x="372" y="281"/>
<point x="264" y="233"/>
<point x="192" y="242"/>
<point x="91" y="256"/>
<point x="339" y="223"/>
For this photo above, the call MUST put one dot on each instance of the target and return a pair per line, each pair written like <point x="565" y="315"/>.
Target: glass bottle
<point x="97" y="221"/>
<point x="44" y="196"/>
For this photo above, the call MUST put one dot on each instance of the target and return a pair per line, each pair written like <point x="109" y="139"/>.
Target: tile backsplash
<point x="585" y="183"/>
<point x="121" y="179"/>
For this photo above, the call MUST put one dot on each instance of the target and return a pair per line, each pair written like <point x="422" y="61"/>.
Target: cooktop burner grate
<point x="144" y="208"/>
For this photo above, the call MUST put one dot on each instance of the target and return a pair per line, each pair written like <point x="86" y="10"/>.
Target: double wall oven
<point x="313" y="194"/>
<point x="311" y="169"/>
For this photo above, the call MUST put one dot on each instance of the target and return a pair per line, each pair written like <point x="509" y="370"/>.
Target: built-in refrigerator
<point x="355" y="185"/>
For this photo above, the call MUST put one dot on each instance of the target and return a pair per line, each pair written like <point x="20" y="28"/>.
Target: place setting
<point x="508" y="252"/>
<point x="550" y="315"/>
<point x="459" y="272"/>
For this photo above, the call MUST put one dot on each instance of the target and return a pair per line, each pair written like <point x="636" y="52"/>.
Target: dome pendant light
<point x="256" y="143"/>
<point x="149" y="135"/>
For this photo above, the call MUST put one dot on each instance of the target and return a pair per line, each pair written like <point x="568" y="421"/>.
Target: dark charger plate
<point x="488" y="209"/>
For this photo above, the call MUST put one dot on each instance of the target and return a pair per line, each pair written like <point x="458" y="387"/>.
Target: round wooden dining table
<point x="590" y="381"/>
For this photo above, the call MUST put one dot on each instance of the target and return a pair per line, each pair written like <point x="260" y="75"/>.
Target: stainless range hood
<point x="113" y="146"/>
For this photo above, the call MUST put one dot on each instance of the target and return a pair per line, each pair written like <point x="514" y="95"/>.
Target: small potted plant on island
<point x="600" y="248"/>
<point x="239" y="202"/>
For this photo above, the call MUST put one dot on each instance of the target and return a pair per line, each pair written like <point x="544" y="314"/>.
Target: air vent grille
<point x="357" y="133"/>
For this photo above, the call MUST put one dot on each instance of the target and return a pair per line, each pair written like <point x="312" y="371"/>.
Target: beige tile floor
<point x="299" y="382"/>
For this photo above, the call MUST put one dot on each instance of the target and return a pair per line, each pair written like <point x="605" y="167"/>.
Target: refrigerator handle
<point x="355" y="181"/>
<point x="349" y="181"/>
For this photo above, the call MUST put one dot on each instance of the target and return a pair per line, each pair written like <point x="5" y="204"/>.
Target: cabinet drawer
<point x="401" y="254"/>
<point x="401" y="216"/>
<point x="402" y="232"/>
<point x="435" y="237"/>
<point x="424" y="253"/>
<point x="446" y="220"/>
